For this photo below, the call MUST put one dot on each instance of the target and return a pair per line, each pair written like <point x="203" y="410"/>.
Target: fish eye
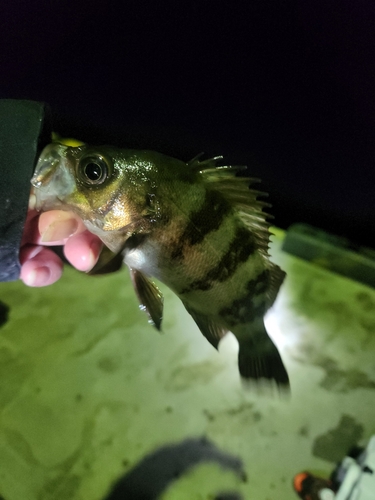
<point x="94" y="170"/>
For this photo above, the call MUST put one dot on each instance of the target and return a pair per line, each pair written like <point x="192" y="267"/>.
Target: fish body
<point x="196" y="227"/>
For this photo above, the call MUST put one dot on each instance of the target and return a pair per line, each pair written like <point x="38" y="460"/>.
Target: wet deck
<point x="89" y="389"/>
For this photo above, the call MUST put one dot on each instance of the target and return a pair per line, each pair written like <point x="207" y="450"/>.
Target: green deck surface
<point x="88" y="388"/>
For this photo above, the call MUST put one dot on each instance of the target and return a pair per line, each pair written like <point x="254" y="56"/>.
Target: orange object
<point x="308" y="487"/>
<point x="298" y="481"/>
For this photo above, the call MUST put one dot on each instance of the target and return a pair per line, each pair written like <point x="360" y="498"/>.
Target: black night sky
<point x="286" y="87"/>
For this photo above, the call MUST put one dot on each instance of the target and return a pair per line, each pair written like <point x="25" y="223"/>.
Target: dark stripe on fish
<point x="242" y="310"/>
<point x="207" y="218"/>
<point x="239" y="250"/>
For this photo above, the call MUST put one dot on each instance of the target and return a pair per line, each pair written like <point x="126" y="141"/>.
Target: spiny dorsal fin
<point x="236" y="190"/>
<point x="208" y="328"/>
<point x="150" y="297"/>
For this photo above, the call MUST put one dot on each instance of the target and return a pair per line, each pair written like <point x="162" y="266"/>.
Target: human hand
<point x="40" y="266"/>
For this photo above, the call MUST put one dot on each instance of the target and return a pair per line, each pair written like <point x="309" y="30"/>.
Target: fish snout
<point x="48" y="161"/>
<point x="52" y="180"/>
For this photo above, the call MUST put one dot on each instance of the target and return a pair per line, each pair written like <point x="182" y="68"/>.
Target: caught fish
<point x="197" y="227"/>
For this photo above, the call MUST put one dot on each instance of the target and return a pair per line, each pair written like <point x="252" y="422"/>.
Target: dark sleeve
<point x="24" y="130"/>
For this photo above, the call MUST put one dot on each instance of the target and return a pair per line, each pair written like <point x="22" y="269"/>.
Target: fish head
<point x="95" y="184"/>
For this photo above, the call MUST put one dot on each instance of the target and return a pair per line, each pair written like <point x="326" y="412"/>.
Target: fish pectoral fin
<point x="150" y="297"/>
<point x="213" y="332"/>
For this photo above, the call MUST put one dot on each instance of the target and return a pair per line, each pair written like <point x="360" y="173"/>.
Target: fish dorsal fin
<point x="238" y="192"/>
<point x="150" y="297"/>
<point x="208" y="328"/>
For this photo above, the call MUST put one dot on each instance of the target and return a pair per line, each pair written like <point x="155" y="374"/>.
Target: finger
<point x="40" y="266"/>
<point x="82" y="250"/>
<point x="56" y="226"/>
<point x="31" y="231"/>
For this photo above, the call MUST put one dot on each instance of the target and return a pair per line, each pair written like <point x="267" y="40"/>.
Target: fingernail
<point x="89" y="260"/>
<point x="32" y="202"/>
<point x="38" y="277"/>
<point x="59" y="230"/>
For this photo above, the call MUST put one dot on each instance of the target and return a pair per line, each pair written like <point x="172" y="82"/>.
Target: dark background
<point x="286" y="87"/>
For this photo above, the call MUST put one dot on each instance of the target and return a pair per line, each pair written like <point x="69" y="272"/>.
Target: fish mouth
<point x="52" y="181"/>
<point x="48" y="161"/>
<point x="41" y="202"/>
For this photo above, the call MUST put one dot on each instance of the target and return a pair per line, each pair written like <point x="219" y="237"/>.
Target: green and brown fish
<point x="196" y="227"/>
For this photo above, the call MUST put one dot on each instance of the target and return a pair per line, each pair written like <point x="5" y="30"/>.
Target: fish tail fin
<point x="263" y="365"/>
<point x="261" y="360"/>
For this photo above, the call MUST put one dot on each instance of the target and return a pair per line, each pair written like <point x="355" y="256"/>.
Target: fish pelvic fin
<point x="149" y="296"/>
<point x="211" y="330"/>
<point x="108" y="262"/>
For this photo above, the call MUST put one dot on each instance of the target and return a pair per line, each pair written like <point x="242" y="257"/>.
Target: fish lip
<point x="43" y="205"/>
<point x="51" y="155"/>
<point x="52" y="180"/>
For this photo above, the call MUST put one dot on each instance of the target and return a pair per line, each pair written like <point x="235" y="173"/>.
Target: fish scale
<point x="197" y="227"/>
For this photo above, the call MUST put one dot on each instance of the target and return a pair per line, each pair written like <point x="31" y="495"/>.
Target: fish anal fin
<point x="212" y="331"/>
<point x="149" y="296"/>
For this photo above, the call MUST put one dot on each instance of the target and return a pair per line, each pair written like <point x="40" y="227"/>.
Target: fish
<point x="198" y="227"/>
